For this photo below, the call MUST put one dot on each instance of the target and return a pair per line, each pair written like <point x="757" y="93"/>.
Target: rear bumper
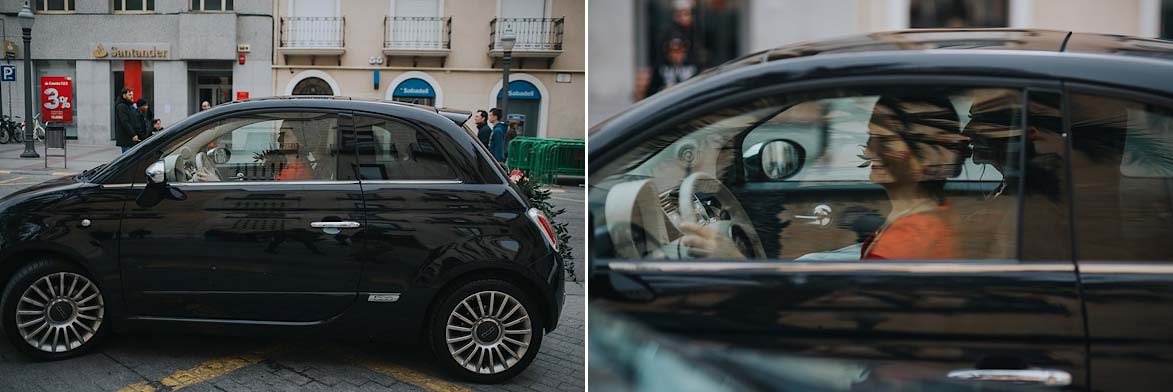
<point x="557" y="282"/>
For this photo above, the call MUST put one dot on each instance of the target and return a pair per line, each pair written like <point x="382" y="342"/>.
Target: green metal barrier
<point x="543" y="160"/>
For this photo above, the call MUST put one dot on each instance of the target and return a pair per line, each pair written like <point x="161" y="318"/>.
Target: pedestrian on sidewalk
<point x="205" y="106"/>
<point x="145" y="116"/>
<point x="514" y="130"/>
<point x="158" y="126"/>
<point x="497" y="142"/>
<point x="126" y="120"/>
<point x="484" y="134"/>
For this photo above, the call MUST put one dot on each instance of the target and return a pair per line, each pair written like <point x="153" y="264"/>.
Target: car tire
<point x="486" y="317"/>
<point x="72" y="310"/>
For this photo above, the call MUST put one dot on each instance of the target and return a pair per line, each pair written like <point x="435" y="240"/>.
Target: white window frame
<point x="144" y="9"/>
<point x="45" y="7"/>
<point x="204" y="8"/>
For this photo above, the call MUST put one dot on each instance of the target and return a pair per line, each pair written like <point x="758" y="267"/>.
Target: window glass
<point x="53" y="5"/>
<point x="958" y="13"/>
<point x="915" y="173"/>
<point x="1122" y="168"/>
<point x="134" y="5"/>
<point x="263" y="147"/>
<point x="393" y="150"/>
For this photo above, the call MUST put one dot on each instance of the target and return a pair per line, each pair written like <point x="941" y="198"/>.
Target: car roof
<point x="336" y="101"/>
<point x="1034" y="40"/>
<point x="1046" y="56"/>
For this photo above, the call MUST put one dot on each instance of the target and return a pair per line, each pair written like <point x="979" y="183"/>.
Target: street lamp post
<point x="25" y="17"/>
<point x="507" y="41"/>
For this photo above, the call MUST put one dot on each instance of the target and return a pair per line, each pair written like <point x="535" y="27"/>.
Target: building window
<point x="1167" y="19"/>
<point x="54" y="6"/>
<point x="134" y="5"/>
<point x="959" y="13"/>
<point x="212" y="5"/>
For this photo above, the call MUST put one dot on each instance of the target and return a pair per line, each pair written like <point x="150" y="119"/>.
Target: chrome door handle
<point x="1048" y="377"/>
<point x="335" y="225"/>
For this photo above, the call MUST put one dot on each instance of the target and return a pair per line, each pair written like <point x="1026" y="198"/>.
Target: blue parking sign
<point x="8" y="73"/>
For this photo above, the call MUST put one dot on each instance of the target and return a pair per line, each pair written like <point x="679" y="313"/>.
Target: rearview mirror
<point x="219" y="155"/>
<point x="774" y="160"/>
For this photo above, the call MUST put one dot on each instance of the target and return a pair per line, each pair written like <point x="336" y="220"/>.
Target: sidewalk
<point x="81" y="157"/>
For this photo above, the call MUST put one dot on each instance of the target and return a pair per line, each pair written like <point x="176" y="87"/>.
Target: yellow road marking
<point x="11" y="179"/>
<point x="555" y="190"/>
<point x="62" y="173"/>
<point x="5" y="172"/>
<point x="205" y="371"/>
<point x="565" y="199"/>
<point x="414" y="377"/>
<point x="401" y="373"/>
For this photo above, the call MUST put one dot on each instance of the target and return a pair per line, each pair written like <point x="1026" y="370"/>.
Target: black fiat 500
<point x="365" y="219"/>
<point x="984" y="206"/>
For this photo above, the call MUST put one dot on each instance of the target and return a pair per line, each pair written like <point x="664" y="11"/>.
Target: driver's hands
<point x="703" y="242"/>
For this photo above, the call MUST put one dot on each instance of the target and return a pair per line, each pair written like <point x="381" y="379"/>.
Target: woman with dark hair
<point x="914" y="146"/>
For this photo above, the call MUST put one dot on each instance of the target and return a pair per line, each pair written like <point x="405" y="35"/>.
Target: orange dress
<point x="295" y="171"/>
<point x="921" y="236"/>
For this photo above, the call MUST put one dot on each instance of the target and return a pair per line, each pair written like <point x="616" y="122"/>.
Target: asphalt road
<point x="166" y="360"/>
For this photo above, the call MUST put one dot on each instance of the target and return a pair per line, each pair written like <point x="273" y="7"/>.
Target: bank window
<point x="392" y="150"/>
<point x="1122" y="169"/>
<point x="134" y="5"/>
<point x="1167" y="19"/>
<point x="958" y="13"/>
<point x="54" y="5"/>
<point x="212" y="5"/>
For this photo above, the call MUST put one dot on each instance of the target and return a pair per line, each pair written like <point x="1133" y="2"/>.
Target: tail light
<point x="544" y="226"/>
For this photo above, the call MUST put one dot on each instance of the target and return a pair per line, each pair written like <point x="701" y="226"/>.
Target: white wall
<point x="771" y="24"/>
<point x="94" y="100"/>
<point x="611" y="60"/>
<point x="171" y="90"/>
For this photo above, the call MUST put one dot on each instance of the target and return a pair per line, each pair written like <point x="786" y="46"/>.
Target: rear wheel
<point x="4" y="135"/>
<point x="52" y="310"/>
<point x="486" y="331"/>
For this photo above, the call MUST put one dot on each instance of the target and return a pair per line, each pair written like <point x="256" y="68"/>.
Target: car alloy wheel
<point x="488" y="332"/>
<point x="60" y="312"/>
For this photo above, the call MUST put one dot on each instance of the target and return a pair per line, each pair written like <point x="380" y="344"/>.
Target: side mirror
<point x="219" y="155"/>
<point x="774" y="160"/>
<point x="156" y="173"/>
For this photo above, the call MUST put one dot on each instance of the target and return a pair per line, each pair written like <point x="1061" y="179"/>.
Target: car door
<point x="890" y="223"/>
<point x="425" y="209"/>
<point x="1122" y="171"/>
<point x="264" y="230"/>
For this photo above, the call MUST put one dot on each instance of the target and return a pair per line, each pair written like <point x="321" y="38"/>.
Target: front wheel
<point x="17" y="134"/>
<point x="51" y="310"/>
<point x="5" y="136"/>
<point x="486" y="331"/>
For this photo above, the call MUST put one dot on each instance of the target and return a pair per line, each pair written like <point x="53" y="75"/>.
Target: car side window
<point x="291" y="146"/>
<point x="1122" y="170"/>
<point x="910" y="173"/>
<point x="394" y="150"/>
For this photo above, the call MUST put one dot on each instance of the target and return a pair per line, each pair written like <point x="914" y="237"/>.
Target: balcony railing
<point x="533" y="34"/>
<point x="313" y="32"/>
<point x="414" y="33"/>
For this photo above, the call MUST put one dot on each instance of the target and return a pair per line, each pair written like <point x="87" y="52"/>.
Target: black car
<point x="362" y="219"/>
<point x="981" y="205"/>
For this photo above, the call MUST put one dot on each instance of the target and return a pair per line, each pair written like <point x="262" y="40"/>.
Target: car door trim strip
<point x="788" y="267"/>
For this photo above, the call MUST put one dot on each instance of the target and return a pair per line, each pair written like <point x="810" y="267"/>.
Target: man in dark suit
<point x="127" y="121"/>
<point x="483" y="131"/>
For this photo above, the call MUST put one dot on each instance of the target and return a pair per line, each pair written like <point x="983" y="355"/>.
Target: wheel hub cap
<point x="489" y="332"/>
<point x="60" y="312"/>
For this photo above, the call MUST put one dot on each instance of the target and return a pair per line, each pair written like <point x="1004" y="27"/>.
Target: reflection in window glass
<point x="958" y="13"/>
<point x="269" y="147"/>
<point x="1122" y="167"/>
<point x="894" y="173"/>
<point x="392" y="150"/>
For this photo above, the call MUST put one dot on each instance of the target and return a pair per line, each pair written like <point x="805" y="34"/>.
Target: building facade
<point x="730" y="28"/>
<point x="174" y="53"/>
<point x="443" y="53"/>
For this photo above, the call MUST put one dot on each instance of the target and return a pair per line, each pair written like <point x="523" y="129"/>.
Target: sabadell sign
<point x="131" y="51"/>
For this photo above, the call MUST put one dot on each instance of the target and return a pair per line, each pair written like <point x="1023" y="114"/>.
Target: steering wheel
<point x="737" y="226"/>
